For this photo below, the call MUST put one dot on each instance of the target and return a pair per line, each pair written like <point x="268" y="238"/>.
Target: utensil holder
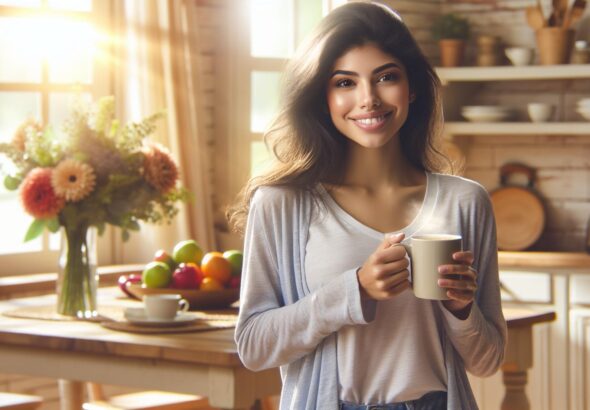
<point x="554" y="45"/>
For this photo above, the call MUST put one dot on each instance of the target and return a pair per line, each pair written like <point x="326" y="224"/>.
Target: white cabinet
<point x="460" y="84"/>
<point x="560" y="375"/>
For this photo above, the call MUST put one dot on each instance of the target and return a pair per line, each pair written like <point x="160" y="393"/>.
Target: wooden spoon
<point x="534" y="17"/>
<point x="558" y="13"/>
<point x="574" y="13"/>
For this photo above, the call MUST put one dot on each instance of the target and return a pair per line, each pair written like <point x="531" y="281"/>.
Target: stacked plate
<point x="486" y="113"/>
<point x="584" y="108"/>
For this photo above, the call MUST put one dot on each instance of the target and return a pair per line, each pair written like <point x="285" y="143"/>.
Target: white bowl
<point x="485" y="109"/>
<point x="540" y="112"/>
<point x="486" y="117"/>
<point x="486" y="113"/>
<point x="584" y="112"/>
<point x="519" y="56"/>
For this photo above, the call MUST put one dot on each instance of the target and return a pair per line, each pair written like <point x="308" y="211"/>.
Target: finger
<point x="391" y="268"/>
<point x="457" y="284"/>
<point x="397" y="288"/>
<point x="393" y="253"/>
<point x="394" y="280"/>
<point x="465" y="271"/>
<point x="462" y="296"/>
<point x="465" y="257"/>
<point x="395" y="238"/>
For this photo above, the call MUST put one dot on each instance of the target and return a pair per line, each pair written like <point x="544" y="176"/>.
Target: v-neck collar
<point x="420" y="218"/>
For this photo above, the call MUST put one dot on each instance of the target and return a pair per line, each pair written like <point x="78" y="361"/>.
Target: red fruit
<point x="128" y="279"/>
<point x="162" y="256"/>
<point x="187" y="276"/>
<point x="234" y="282"/>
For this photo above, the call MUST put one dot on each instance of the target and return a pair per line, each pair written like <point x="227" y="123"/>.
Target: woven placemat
<point x="198" y="326"/>
<point x="48" y="312"/>
<point x="112" y="317"/>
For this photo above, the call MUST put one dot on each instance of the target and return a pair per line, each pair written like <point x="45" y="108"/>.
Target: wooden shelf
<point x="508" y="73"/>
<point x="517" y="128"/>
<point x="544" y="260"/>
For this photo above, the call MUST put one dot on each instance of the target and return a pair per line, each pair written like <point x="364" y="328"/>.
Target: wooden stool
<point x="13" y="401"/>
<point x="145" y="400"/>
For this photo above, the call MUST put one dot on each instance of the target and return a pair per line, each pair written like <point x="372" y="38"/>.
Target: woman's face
<point x="368" y="95"/>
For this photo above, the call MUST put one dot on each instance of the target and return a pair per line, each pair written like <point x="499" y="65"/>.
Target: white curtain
<point x="157" y="67"/>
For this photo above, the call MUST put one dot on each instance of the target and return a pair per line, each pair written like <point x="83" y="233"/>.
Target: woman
<point x="325" y="292"/>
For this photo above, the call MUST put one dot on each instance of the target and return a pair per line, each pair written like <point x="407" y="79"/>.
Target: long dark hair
<point x="307" y="146"/>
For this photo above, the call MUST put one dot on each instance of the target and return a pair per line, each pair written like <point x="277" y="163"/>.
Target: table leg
<point x="518" y="359"/>
<point x="71" y="394"/>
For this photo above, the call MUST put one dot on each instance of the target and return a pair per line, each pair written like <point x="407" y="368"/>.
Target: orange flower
<point x="159" y="168"/>
<point x="37" y="194"/>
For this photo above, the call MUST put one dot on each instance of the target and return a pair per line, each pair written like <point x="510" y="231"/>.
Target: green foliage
<point x="91" y="135"/>
<point x="450" y="26"/>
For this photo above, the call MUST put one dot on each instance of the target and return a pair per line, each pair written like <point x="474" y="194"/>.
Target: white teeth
<point x="371" y="121"/>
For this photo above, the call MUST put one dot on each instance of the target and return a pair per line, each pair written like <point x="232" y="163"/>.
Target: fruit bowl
<point x="198" y="299"/>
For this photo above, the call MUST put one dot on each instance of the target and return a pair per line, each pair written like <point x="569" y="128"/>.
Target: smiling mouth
<point x="371" y="123"/>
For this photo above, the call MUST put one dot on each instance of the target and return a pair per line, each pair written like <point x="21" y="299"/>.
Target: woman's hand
<point x="460" y="280"/>
<point x="385" y="273"/>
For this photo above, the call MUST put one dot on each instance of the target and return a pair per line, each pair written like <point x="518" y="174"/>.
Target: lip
<point x="372" y="121"/>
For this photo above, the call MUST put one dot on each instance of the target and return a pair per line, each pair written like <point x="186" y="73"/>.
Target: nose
<point x="369" y="98"/>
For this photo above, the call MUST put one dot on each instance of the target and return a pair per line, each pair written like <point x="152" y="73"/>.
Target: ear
<point x="412" y="97"/>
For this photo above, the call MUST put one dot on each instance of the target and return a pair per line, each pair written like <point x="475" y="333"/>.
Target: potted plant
<point x="452" y="32"/>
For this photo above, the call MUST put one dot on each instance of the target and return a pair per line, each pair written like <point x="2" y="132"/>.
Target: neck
<point x="375" y="168"/>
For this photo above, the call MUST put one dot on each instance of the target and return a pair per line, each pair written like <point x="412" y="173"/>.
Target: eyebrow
<point x="375" y="71"/>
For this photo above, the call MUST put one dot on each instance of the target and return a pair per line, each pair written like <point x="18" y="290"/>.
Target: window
<point x="266" y="35"/>
<point x="50" y="56"/>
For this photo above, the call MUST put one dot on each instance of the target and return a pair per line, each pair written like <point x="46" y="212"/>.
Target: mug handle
<point x="183" y="305"/>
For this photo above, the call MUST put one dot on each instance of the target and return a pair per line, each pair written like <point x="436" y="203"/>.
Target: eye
<point x="388" y="77"/>
<point x="345" y="82"/>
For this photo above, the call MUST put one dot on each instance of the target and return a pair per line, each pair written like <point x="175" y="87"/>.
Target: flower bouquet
<point x="90" y="173"/>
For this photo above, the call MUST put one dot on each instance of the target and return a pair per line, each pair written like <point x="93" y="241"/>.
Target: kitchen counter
<point x="572" y="261"/>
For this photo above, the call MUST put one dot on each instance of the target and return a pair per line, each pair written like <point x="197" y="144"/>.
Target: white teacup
<point x="427" y="253"/>
<point x="164" y="307"/>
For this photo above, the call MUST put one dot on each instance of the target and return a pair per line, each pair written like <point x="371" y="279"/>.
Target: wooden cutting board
<point x="519" y="211"/>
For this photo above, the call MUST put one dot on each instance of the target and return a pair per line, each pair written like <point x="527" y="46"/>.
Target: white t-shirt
<point x="398" y="356"/>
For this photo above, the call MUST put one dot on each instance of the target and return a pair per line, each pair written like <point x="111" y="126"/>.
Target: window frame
<point x="234" y="131"/>
<point x="101" y="84"/>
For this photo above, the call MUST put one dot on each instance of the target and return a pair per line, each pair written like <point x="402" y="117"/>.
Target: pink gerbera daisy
<point x="37" y="194"/>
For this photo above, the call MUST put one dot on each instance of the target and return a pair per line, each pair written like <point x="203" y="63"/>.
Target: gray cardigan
<point x="281" y="323"/>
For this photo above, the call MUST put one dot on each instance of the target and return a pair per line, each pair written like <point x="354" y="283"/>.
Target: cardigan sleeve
<point x="276" y="326"/>
<point x="480" y="339"/>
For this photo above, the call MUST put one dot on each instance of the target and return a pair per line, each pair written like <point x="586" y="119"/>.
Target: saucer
<point x="137" y="316"/>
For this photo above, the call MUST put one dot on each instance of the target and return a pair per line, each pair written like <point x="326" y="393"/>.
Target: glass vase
<point x="77" y="280"/>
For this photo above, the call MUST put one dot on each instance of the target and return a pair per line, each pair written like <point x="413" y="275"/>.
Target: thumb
<point x="393" y="239"/>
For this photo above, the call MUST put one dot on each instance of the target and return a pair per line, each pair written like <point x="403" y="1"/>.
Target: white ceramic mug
<point x="427" y="253"/>
<point x="164" y="306"/>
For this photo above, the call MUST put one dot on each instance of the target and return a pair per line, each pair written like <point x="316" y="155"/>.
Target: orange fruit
<point x="215" y="266"/>
<point x="209" y="284"/>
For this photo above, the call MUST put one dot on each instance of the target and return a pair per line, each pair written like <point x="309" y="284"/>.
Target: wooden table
<point x="519" y="354"/>
<point x="203" y="363"/>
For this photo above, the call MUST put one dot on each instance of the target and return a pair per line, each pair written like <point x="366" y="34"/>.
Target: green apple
<point x="235" y="259"/>
<point x="187" y="251"/>
<point x="156" y="275"/>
